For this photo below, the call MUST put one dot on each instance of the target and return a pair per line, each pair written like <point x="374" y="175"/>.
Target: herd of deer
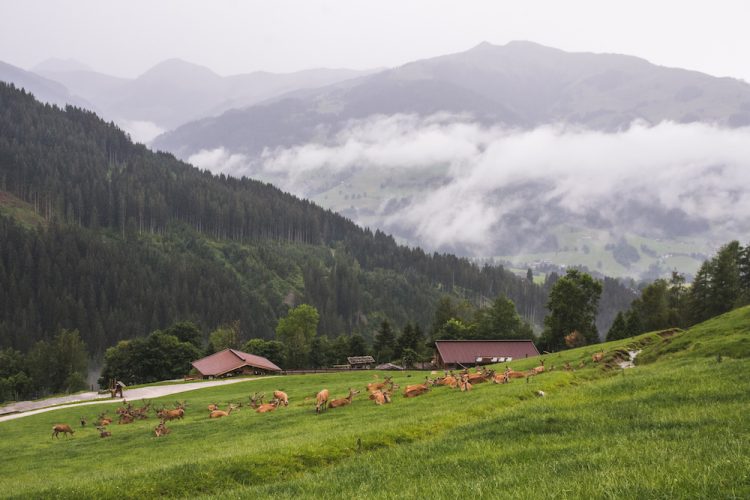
<point x="379" y="392"/>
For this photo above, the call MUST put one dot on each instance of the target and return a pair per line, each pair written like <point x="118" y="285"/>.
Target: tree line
<point x="721" y="284"/>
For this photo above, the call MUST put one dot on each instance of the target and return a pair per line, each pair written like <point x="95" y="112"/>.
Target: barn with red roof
<point x="465" y="353"/>
<point x="230" y="362"/>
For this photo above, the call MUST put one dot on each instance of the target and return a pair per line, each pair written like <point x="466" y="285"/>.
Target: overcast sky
<point x="126" y="38"/>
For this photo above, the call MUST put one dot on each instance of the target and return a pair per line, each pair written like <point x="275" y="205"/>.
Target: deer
<point x="103" y="432"/>
<point x="268" y="407"/>
<point x="380" y="397"/>
<point x="126" y="418"/>
<point x="177" y="413"/>
<point x="213" y="407"/>
<point x="337" y="403"/>
<point x="483" y="376"/>
<point x="64" y="428"/>
<point x="378" y="386"/>
<point x="417" y="389"/>
<point x="464" y="383"/>
<point x="221" y="413"/>
<point x="321" y="400"/>
<point x="103" y="420"/>
<point x="256" y="400"/>
<point x="539" y="369"/>
<point x="596" y="358"/>
<point x="450" y="380"/>
<point x="281" y="397"/>
<point x="161" y="429"/>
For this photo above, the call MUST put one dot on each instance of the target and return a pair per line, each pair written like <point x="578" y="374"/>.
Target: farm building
<point x="464" y="353"/>
<point x="231" y="362"/>
<point x="360" y="362"/>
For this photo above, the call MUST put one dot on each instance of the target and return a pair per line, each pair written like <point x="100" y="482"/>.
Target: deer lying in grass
<point x="281" y="397"/>
<point x="222" y="413"/>
<point x="213" y="407"/>
<point x="539" y="369"/>
<point x="321" y="400"/>
<point x="103" y="432"/>
<point x="126" y="418"/>
<point x="417" y="389"/>
<point x="161" y="429"/>
<point x="516" y="374"/>
<point x="596" y="358"/>
<point x="463" y="384"/>
<point x="380" y="397"/>
<point x="449" y="380"/>
<point x="64" y="428"/>
<point x="268" y="407"/>
<point x="479" y="377"/>
<point x="337" y="403"/>
<point x="379" y="386"/>
<point x="256" y="400"/>
<point x="103" y="420"/>
<point x="175" y="414"/>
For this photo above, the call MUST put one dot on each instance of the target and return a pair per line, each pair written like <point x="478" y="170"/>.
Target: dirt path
<point x="26" y="408"/>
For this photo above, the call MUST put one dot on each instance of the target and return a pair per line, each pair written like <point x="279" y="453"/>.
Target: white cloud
<point x="699" y="169"/>
<point x="141" y="131"/>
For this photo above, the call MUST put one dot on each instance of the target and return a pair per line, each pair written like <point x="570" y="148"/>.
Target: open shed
<point x="360" y="362"/>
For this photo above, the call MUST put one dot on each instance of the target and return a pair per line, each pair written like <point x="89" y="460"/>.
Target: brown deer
<point x="321" y="400"/>
<point x="64" y="428"/>
<point x="417" y="389"/>
<point x="103" y="432"/>
<point x="281" y="397"/>
<point x="256" y="400"/>
<point x="161" y="429"/>
<point x="103" y="420"/>
<point x="213" y="407"/>
<point x="464" y="383"/>
<point x="126" y="418"/>
<point x="380" y="397"/>
<point x="449" y="380"/>
<point x="483" y="376"/>
<point x="175" y="414"/>
<point x="596" y="358"/>
<point x="221" y="413"/>
<point x="378" y="386"/>
<point x="268" y="407"/>
<point x="539" y="369"/>
<point x="337" y="403"/>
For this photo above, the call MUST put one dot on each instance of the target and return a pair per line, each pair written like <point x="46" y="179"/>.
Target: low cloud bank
<point x="499" y="182"/>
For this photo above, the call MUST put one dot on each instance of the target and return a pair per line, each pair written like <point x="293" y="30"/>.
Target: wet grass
<point x="675" y="426"/>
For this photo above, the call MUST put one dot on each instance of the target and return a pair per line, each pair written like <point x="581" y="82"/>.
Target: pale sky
<point x="125" y="38"/>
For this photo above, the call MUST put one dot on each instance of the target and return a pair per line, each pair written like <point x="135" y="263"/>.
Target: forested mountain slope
<point x="128" y="241"/>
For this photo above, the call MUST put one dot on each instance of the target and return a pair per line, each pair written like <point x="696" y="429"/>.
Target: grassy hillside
<point x="675" y="426"/>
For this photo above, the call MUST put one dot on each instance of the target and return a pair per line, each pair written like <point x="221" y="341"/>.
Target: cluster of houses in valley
<point x="449" y="354"/>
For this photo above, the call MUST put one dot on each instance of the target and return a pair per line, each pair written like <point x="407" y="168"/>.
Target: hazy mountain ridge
<point x="519" y="84"/>
<point x="175" y="91"/>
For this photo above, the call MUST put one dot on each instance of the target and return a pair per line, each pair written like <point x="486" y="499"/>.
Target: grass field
<point x="676" y="426"/>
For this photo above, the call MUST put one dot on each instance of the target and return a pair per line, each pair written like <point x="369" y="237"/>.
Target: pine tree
<point x="618" y="330"/>
<point x="385" y="342"/>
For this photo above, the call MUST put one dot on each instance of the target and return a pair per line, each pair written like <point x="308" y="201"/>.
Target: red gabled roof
<point x="467" y="351"/>
<point x="231" y="359"/>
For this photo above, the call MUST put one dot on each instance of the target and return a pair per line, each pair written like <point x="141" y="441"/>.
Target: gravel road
<point x="26" y="408"/>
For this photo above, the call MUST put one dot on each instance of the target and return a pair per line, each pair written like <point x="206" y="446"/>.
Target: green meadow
<point x="675" y="426"/>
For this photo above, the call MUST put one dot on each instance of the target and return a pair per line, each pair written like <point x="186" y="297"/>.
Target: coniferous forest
<point x="106" y="237"/>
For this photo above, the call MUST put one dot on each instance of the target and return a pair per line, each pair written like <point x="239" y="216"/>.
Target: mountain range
<point x="521" y="153"/>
